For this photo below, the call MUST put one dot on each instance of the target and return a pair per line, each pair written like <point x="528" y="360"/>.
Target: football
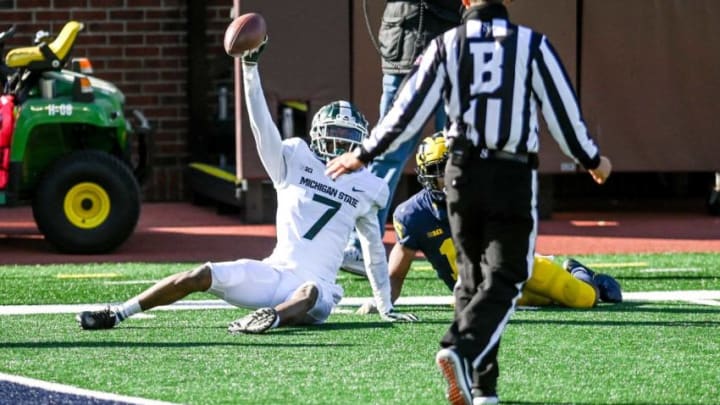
<point x="244" y="32"/>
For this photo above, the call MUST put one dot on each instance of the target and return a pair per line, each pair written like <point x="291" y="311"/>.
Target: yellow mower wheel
<point x="87" y="205"/>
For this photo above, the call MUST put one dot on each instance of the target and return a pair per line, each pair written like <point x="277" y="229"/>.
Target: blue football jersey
<point x="421" y="223"/>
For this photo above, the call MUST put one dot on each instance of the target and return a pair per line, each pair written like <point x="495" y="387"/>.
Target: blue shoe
<point x="609" y="288"/>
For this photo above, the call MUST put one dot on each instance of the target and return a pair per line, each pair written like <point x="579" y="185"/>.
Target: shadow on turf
<point x="292" y="330"/>
<point x="128" y="344"/>
<point x="648" y="307"/>
<point x="678" y="324"/>
<point x="584" y="403"/>
<point x="631" y="307"/>
<point x="653" y="277"/>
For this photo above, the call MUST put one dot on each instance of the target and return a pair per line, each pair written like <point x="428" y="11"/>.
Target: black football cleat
<point x="254" y="322"/>
<point x="572" y="265"/>
<point x="584" y="274"/>
<point x="456" y="371"/>
<point x="610" y="290"/>
<point x="94" y="320"/>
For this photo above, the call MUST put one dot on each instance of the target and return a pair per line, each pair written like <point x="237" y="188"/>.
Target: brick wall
<point x="141" y="47"/>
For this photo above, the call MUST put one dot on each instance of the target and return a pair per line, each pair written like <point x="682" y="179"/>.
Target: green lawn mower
<point x="67" y="147"/>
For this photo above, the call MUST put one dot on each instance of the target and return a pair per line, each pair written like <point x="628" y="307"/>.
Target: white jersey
<point x="315" y="214"/>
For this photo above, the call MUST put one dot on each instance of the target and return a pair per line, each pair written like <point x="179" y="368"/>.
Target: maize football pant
<point x="552" y="283"/>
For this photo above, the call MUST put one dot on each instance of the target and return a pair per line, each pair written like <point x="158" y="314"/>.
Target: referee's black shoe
<point x="484" y="398"/>
<point x="456" y="371"/>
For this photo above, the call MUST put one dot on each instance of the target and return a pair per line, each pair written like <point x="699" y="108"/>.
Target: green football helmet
<point x="337" y="128"/>
<point x="431" y="157"/>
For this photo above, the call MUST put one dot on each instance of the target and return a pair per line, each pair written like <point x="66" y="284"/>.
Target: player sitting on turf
<point x="421" y="224"/>
<point x="296" y="285"/>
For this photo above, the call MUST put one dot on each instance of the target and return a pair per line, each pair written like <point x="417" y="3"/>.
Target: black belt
<point x="529" y="159"/>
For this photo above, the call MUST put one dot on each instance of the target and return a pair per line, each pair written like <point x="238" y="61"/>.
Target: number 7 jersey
<point x="316" y="215"/>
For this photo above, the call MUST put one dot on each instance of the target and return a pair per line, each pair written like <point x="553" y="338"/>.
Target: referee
<point x="493" y="77"/>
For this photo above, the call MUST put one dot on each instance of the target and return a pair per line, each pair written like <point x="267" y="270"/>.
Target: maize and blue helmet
<point x="431" y="157"/>
<point x="337" y="128"/>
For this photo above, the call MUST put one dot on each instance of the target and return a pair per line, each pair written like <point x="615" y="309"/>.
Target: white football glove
<point x="367" y="308"/>
<point x="251" y="56"/>
<point x="393" y="316"/>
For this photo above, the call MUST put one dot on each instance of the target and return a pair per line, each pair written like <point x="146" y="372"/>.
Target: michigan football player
<point x="421" y="225"/>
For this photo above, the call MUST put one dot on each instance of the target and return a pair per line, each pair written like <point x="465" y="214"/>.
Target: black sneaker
<point x="485" y="397"/>
<point x="572" y="265"/>
<point x="456" y="371"/>
<point x="254" y="322"/>
<point x="584" y="274"/>
<point x="610" y="290"/>
<point x="92" y="320"/>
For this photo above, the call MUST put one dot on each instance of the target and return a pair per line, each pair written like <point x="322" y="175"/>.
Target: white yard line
<point x="701" y="297"/>
<point x="686" y="296"/>
<point x="130" y="282"/>
<point x="705" y="302"/>
<point x="672" y="270"/>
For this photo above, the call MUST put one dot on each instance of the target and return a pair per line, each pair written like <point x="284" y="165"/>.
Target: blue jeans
<point x="389" y="166"/>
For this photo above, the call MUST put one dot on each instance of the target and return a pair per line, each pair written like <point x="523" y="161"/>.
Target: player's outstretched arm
<point x="267" y="136"/>
<point x="399" y="264"/>
<point x="373" y="249"/>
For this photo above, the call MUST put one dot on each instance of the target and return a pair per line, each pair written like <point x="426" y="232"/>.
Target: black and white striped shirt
<point x="492" y="76"/>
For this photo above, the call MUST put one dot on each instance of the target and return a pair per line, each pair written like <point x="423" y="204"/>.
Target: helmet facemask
<point x="337" y="128"/>
<point x="431" y="158"/>
<point x="432" y="178"/>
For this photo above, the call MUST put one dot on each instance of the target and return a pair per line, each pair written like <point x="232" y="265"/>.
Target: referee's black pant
<point x="493" y="218"/>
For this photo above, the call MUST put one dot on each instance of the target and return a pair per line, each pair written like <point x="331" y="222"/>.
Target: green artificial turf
<point x="629" y="353"/>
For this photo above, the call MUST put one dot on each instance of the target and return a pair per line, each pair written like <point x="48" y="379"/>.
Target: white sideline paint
<point x="130" y="282"/>
<point x="700" y="297"/>
<point x="69" y="389"/>
<point x="673" y="270"/>
<point x="687" y="296"/>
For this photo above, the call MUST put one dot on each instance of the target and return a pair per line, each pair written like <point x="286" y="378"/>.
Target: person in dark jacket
<point x="407" y="27"/>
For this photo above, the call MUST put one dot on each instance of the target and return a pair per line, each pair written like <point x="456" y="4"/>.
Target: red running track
<point x="181" y="232"/>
